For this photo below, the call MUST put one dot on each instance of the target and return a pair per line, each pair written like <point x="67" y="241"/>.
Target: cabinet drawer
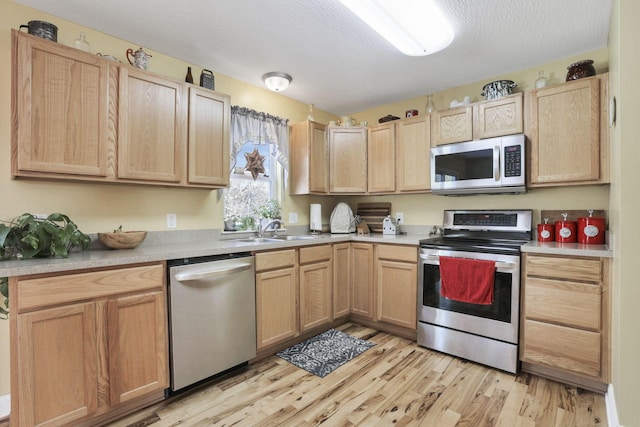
<point x="276" y="259"/>
<point x="586" y="269"/>
<point x="66" y="288"/>
<point x="397" y="253"/>
<point x="561" y="347"/>
<point x="568" y="303"/>
<point x="315" y="254"/>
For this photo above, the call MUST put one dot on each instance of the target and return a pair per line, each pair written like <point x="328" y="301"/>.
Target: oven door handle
<point x="499" y="264"/>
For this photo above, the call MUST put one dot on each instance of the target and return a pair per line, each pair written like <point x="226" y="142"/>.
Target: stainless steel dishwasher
<point x="212" y="316"/>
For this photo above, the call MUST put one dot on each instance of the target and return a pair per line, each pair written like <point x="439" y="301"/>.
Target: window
<point x="254" y="134"/>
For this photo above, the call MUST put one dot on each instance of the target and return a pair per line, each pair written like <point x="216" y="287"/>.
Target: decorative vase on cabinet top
<point x="581" y="69"/>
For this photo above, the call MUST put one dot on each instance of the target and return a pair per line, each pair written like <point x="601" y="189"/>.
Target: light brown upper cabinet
<point x="413" y="143"/>
<point x="381" y="159"/>
<point x="484" y="119"/>
<point x="152" y="130"/>
<point x="398" y="156"/>
<point x="209" y="121"/>
<point x="568" y="133"/>
<point x="79" y="117"/>
<point x="309" y="158"/>
<point x="61" y="99"/>
<point x="348" y="159"/>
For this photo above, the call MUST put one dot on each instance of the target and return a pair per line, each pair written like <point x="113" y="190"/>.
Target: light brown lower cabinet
<point x="276" y="296"/>
<point x="397" y="284"/>
<point x="362" y="284"/>
<point x="86" y="344"/>
<point x="565" y="332"/>
<point x="316" y="280"/>
<point x="341" y="279"/>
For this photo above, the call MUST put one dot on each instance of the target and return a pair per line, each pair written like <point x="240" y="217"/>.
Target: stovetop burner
<point x="490" y="231"/>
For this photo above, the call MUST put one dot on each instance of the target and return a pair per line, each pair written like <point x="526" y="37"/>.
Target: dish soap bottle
<point x="82" y="44"/>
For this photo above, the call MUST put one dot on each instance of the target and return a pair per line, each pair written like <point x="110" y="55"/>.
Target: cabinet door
<point x="453" y="125"/>
<point x="565" y="133"/>
<point x="362" y="289"/>
<point x="341" y="279"/>
<point x="500" y="117"/>
<point x="348" y="159"/>
<point x="209" y="121"/>
<point x="151" y="129"/>
<point x="315" y="295"/>
<point x="57" y="366"/>
<point x="381" y="165"/>
<point x="309" y="168"/>
<point x="61" y="108"/>
<point x="276" y="306"/>
<point x="318" y="158"/>
<point x="138" y="362"/>
<point x="413" y="144"/>
<point x="397" y="286"/>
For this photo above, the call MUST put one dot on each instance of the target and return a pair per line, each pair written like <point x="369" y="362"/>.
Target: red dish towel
<point x="467" y="280"/>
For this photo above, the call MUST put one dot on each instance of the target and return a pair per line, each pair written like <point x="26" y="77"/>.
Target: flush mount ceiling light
<point x="415" y="28"/>
<point x="277" y="81"/>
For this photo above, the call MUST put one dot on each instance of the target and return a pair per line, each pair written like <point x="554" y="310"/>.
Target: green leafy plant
<point x="4" y="291"/>
<point x="271" y="209"/>
<point x="28" y="236"/>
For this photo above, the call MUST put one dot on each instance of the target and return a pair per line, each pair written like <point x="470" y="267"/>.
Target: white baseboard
<point x="5" y="405"/>
<point x="612" y="410"/>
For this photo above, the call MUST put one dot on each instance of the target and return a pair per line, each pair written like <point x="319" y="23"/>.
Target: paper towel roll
<point x="315" y="217"/>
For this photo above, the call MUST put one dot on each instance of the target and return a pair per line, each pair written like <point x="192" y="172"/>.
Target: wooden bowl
<point x="122" y="239"/>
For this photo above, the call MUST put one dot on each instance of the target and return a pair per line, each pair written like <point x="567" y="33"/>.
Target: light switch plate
<point x="293" y="217"/>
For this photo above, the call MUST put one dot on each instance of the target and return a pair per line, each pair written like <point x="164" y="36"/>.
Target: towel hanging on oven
<point x="467" y="280"/>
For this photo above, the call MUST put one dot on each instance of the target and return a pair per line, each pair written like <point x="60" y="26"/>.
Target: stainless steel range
<point x="482" y="330"/>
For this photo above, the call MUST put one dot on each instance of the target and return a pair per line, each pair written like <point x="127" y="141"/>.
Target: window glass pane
<point x="245" y="195"/>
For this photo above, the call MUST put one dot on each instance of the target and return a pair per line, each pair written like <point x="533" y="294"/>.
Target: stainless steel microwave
<point x="493" y="165"/>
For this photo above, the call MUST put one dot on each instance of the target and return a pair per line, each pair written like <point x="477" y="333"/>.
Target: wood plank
<point x="394" y="383"/>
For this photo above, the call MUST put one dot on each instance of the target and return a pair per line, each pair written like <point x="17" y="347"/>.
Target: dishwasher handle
<point x="185" y="276"/>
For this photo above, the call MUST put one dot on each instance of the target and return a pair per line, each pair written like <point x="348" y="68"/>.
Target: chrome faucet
<point x="261" y="229"/>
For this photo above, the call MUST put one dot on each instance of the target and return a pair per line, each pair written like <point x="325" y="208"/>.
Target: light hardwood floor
<point x="394" y="383"/>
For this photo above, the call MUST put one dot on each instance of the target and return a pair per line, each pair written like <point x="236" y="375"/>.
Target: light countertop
<point x="161" y="246"/>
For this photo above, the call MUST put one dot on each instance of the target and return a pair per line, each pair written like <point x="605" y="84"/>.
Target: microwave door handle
<point x="496" y="162"/>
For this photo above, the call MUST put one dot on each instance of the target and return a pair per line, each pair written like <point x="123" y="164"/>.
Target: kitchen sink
<point x="257" y="240"/>
<point x="274" y="239"/>
<point x="296" y="237"/>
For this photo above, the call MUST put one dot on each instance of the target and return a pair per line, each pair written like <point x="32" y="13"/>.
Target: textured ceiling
<point x="337" y="62"/>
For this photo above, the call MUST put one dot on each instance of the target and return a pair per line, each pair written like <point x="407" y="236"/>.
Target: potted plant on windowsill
<point x="270" y="210"/>
<point x="28" y="236"/>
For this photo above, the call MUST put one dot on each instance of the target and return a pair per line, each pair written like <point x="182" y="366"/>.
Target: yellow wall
<point x="555" y="72"/>
<point x="624" y="208"/>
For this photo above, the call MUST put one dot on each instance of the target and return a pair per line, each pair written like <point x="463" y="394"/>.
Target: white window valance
<point x="250" y="126"/>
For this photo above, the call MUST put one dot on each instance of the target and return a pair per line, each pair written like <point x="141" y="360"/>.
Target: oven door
<point x="498" y="320"/>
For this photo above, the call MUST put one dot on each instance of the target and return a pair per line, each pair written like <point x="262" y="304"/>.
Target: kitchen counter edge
<point x="100" y="258"/>
<point x="571" y="249"/>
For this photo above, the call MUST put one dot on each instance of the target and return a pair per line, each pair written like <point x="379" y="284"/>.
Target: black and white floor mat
<point x="321" y="354"/>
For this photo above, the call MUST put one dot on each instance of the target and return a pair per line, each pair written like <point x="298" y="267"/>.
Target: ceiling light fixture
<point x="277" y="81"/>
<point x="415" y="28"/>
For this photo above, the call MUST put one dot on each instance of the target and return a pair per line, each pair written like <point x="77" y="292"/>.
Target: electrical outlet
<point x="400" y="217"/>
<point x="293" y="217"/>
<point x="172" y="221"/>
<point x="41" y="216"/>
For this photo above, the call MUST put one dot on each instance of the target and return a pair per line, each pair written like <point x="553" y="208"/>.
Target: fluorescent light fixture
<point x="414" y="27"/>
<point x="277" y="81"/>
